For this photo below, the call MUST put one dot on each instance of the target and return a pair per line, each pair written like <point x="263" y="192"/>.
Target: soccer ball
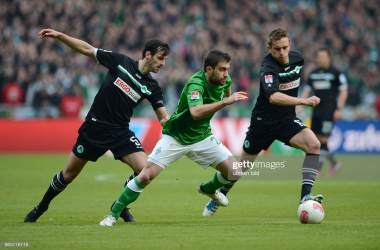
<point x="311" y="212"/>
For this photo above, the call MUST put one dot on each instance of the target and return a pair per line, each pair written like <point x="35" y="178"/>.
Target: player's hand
<point x="237" y="96"/>
<point x="312" y="101"/>
<point x="48" y="33"/>
<point x="299" y="109"/>
<point x="337" y="115"/>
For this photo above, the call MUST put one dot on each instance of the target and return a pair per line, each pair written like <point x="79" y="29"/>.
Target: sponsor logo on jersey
<point x="194" y="95"/>
<point x="143" y="88"/>
<point x="290" y="85"/>
<point x="131" y="93"/>
<point x="321" y="85"/>
<point x="269" y="79"/>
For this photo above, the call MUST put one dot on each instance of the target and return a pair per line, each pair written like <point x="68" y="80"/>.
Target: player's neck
<point x="325" y="67"/>
<point x="210" y="82"/>
<point x="143" y="67"/>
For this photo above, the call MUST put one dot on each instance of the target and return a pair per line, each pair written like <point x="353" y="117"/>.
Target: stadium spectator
<point x="72" y="102"/>
<point x="193" y="27"/>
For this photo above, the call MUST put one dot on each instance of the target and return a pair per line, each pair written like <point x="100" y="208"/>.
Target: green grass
<point x="262" y="214"/>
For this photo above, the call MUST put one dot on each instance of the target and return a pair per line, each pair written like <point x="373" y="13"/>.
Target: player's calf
<point x="57" y="185"/>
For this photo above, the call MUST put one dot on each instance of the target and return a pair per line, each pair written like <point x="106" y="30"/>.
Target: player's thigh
<point x="289" y="129"/>
<point x="149" y="172"/>
<point x="306" y="141"/>
<point x="85" y="150"/>
<point x="128" y="149"/>
<point x="259" y="137"/>
<point x="73" y="167"/>
<point x="248" y="157"/>
<point x="167" y="150"/>
<point x="136" y="160"/>
<point x="209" y="152"/>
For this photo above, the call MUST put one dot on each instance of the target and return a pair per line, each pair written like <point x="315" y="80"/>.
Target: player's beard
<point x="215" y="81"/>
<point x="152" y="67"/>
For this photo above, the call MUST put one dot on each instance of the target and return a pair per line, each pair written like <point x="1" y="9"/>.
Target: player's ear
<point x="268" y="47"/>
<point x="148" y="55"/>
<point x="208" y="69"/>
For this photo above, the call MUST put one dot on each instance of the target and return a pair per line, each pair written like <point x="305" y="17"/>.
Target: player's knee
<point x="313" y="146"/>
<point x="145" y="178"/>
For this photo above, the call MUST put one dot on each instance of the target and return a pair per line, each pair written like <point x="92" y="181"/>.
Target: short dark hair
<point x="213" y="57"/>
<point x="276" y="35"/>
<point x="324" y="49"/>
<point x="154" y="45"/>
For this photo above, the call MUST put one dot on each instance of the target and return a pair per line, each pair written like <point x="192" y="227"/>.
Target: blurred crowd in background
<point x="45" y="78"/>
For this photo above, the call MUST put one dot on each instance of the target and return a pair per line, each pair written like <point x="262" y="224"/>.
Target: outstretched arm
<point x="76" y="44"/>
<point x="201" y="111"/>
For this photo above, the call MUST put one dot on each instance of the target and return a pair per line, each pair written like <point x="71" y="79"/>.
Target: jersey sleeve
<point x="108" y="59"/>
<point x="343" y="82"/>
<point x="156" y="99"/>
<point x="195" y="95"/>
<point x="270" y="82"/>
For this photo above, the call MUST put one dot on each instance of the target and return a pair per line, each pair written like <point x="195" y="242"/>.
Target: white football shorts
<point x="209" y="152"/>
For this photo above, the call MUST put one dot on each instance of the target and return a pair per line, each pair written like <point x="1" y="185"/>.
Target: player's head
<point x="155" y="52"/>
<point x="215" y="65"/>
<point x="279" y="45"/>
<point x="323" y="58"/>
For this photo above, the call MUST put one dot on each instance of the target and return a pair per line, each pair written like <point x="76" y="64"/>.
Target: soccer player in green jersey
<point x="188" y="132"/>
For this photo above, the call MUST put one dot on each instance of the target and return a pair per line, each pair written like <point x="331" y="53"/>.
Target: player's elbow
<point x="273" y="99"/>
<point x="194" y="111"/>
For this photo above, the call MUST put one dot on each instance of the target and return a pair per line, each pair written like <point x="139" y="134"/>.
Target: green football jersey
<point x="181" y="124"/>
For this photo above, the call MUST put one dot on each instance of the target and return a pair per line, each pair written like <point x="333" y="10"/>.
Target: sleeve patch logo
<point x="105" y="50"/>
<point x="194" y="95"/>
<point x="269" y="79"/>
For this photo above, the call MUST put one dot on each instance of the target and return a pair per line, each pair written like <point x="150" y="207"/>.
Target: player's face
<point x="323" y="59"/>
<point x="157" y="61"/>
<point x="219" y="75"/>
<point x="280" y="50"/>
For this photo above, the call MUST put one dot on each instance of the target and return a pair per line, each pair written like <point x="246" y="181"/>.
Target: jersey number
<point x="217" y="142"/>
<point x="134" y="139"/>
<point x="327" y="127"/>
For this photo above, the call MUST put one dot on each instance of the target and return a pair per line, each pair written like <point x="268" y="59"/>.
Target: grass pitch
<point x="261" y="215"/>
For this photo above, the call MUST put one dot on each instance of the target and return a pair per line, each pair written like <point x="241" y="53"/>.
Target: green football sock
<point x="215" y="183"/>
<point x="130" y="193"/>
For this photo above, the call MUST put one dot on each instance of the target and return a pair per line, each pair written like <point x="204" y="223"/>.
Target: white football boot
<point x="218" y="197"/>
<point x="108" y="221"/>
